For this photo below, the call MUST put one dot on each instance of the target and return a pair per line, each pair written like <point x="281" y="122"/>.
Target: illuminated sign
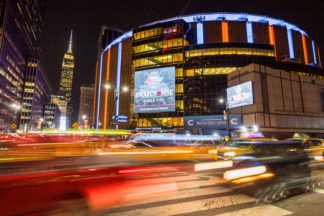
<point x="120" y="118"/>
<point x="240" y="95"/>
<point x="212" y="122"/>
<point x="154" y="90"/>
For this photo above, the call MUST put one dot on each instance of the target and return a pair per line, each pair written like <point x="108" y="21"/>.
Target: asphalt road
<point x="203" y="196"/>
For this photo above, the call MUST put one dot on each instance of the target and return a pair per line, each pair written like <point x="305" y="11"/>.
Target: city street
<point x="158" y="108"/>
<point x="204" y="197"/>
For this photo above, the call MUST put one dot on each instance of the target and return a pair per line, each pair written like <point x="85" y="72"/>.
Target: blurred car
<point x="235" y="148"/>
<point x="86" y="191"/>
<point x="313" y="146"/>
<point x="203" y="147"/>
<point x="275" y="168"/>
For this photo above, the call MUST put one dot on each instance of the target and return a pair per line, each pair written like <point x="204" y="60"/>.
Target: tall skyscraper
<point x="37" y="91"/>
<point x="67" y="79"/>
<point x="22" y="25"/>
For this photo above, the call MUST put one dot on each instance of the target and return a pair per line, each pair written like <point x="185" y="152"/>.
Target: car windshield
<point x="297" y="141"/>
<point x="240" y="144"/>
<point x="268" y="148"/>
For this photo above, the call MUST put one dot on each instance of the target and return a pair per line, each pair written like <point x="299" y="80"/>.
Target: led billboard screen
<point x="240" y="95"/>
<point x="154" y="90"/>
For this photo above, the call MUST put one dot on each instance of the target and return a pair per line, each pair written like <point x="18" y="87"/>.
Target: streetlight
<point x="243" y="129"/>
<point x="255" y="128"/>
<point x="109" y="85"/>
<point x="125" y="89"/>
<point x="84" y="117"/>
<point x="41" y="120"/>
<point x="16" y="107"/>
<point x="226" y="116"/>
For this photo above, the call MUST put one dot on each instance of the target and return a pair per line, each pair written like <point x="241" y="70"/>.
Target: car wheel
<point x="271" y="193"/>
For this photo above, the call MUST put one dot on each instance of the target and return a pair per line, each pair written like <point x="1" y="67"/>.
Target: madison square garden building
<point x="163" y="74"/>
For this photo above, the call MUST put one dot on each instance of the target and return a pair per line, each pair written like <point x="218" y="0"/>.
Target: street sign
<point x="212" y="122"/>
<point x="13" y="126"/>
<point x="75" y="125"/>
<point x="119" y="118"/>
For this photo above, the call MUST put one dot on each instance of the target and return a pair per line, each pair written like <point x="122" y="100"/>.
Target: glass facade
<point x="201" y="70"/>
<point x="51" y="116"/>
<point x="36" y="93"/>
<point x="22" y="25"/>
<point x="204" y="50"/>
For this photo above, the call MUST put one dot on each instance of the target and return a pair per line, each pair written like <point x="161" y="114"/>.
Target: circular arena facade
<point x="154" y="76"/>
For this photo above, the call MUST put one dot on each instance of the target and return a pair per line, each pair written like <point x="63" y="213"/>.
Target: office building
<point x="52" y="115"/>
<point x="22" y="26"/>
<point x="86" y="105"/>
<point x="36" y="93"/>
<point x="284" y="102"/>
<point x="177" y="68"/>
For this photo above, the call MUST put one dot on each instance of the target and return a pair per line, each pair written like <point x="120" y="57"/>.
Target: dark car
<point x="275" y="168"/>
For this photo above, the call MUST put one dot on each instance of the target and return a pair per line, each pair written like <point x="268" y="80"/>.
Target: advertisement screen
<point x="240" y="95"/>
<point x="154" y="90"/>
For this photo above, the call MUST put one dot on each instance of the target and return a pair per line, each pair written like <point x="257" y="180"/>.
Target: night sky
<point x="86" y="16"/>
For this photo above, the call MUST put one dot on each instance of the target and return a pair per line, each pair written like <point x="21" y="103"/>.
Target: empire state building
<point x="66" y="80"/>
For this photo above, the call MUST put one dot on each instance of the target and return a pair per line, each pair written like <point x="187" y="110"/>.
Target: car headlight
<point x="212" y="151"/>
<point x="229" y="154"/>
<point x="239" y="173"/>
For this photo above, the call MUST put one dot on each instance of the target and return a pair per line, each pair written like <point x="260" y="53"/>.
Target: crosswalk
<point x="198" y="197"/>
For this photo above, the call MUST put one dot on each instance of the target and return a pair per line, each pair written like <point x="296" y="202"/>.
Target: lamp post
<point x="108" y="86"/>
<point x="16" y="107"/>
<point x="226" y="116"/>
<point x="41" y="120"/>
<point x="84" y="118"/>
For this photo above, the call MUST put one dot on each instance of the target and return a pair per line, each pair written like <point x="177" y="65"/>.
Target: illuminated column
<point x="99" y="90"/>
<point x="314" y="52"/>
<point x="249" y="32"/>
<point x="225" y="36"/>
<point x="118" y="79"/>
<point x="272" y="38"/>
<point x="106" y="92"/>
<point x="291" y="44"/>
<point x="305" y="49"/>
<point x="95" y="95"/>
<point x="319" y="57"/>
<point x="200" y="32"/>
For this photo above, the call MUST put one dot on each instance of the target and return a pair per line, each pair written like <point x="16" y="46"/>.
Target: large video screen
<point x="154" y="90"/>
<point x="240" y="95"/>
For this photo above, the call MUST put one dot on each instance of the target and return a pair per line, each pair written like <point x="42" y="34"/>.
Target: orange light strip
<point x="305" y="50"/>
<point x="225" y="36"/>
<point x="272" y="38"/>
<point x="319" y="57"/>
<point x="253" y="178"/>
<point x="95" y="95"/>
<point x="106" y="93"/>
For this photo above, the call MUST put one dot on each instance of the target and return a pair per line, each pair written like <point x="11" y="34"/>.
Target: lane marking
<point x="190" y="206"/>
<point x="265" y="210"/>
<point x="180" y="195"/>
<point x="196" y="184"/>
